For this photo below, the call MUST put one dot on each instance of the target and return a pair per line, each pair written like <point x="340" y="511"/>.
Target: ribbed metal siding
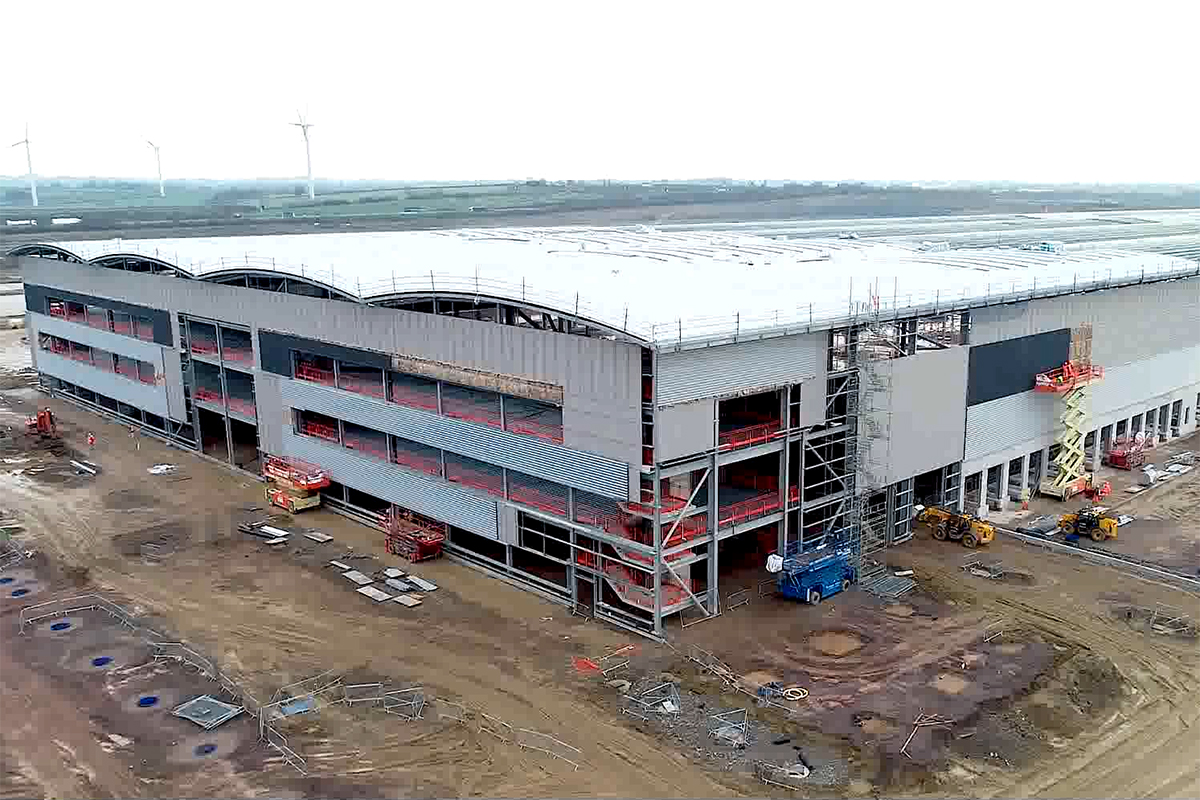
<point x="558" y="464"/>
<point x="1000" y="424"/>
<point x="94" y="337"/>
<point x="135" y="393"/>
<point x="429" y="496"/>
<point x="730" y="368"/>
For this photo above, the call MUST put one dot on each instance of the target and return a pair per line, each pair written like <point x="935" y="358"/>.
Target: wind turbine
<point x="158" y="160"/>
<point x="29" y="165"/>
<point x="304" y="126"/>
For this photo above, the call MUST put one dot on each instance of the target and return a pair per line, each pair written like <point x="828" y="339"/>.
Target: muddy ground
<point x="1051" y="689"/>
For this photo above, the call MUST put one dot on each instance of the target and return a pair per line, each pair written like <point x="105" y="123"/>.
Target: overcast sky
<point x="1055" y="90"/>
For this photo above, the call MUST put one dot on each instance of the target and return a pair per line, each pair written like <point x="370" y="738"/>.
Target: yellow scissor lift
<point x="1072" y="382"/>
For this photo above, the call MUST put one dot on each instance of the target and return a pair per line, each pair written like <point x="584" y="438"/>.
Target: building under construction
<point x="623" y="419"/>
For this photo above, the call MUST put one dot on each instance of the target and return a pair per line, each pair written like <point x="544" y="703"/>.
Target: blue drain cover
<point x="101" y="661"/>
<point x="148" y="700"/>
<point x="205" y="749"/>
<point x="60" y="626"/>
<point x="19" y="592"/>
<point x="8" y="579"/>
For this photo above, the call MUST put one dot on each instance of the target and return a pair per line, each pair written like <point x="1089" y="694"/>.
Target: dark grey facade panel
<point x="1007" y="367"/>
<point x="562" y="465"/>
<point x="37" y="297"/>
<point x="275" y="351"/>
<point x="432" y="497"/>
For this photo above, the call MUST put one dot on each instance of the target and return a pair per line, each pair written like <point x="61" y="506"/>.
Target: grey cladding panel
<point x="429" y="496"/>
<point x="684" y="429"/>
<point x="523" y="453"/>
<point x="732" y="368"/>
<point x="37" y="299"/>
<point x="1010" y="366"/>
<point x="135" y="393"/>
<point x="928" y="420"/>
<point x="1128" y="323"/>
<point x="273" y="416"/>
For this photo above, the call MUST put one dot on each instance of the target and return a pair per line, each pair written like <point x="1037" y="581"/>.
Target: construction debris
<point x="407" y="600"/>
<point x="320" y="538"/>
<point x="373" y="593"/>
<point x="207" y="711"/>
<point x="924" y="720"/>
<point x="161" y="469"/>
<point x="357" y="577"/>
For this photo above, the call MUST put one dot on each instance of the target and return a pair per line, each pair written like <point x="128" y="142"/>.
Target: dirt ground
<point x="1072" y="698"/>
<point x="1166" y="526"/>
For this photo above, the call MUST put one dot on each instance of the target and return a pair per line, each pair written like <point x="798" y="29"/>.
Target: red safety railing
<point x="320" y="430"/>
<point x="647" y="455"/>
<point x="429" y="464"/>
<point x="58" y="310"/>
<point x="104" y="364"/>
<point x="80" y="355"/>
<point x="308" y="372"/>
<point x="147" y="379"/>
<point x="414" y="398"/>
<point x="127" y="368"/>
<point x="60" y="347"/>
<point x="242" y="355"/>
<point x="536" y="498"/>
<point x="204" y="347"/>
<point x="208" y="395"/>
<point x="471" y="412"/>
<point x="97" y="322"/>
<point x="125" y="328"/>
<point x="77" y="316"/>
<point x="244" y="407"/>
<point x="491" y="485"/>
<point x="668" y="503"/>
<point x="749" y="436"/>
<point x="361" y="386"/>
<point x="1067" y="377"/>
<point x="367" y="445"/>
<point x="793" y="494"/>
<point x="747" y="510"/>
<point x="144" y="332"/>
<point x="542" y="430"/>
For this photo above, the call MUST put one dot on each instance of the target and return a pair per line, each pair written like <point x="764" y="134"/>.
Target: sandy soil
<point x="1072" y="699"/>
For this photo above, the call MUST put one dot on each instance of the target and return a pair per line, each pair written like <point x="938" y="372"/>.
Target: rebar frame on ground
<point x="775" y="775"/>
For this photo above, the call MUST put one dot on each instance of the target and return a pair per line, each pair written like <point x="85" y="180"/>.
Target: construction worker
<point x="137" y="443"/>
<point x="1025" y="499"/>
<point x="91" y="440"/>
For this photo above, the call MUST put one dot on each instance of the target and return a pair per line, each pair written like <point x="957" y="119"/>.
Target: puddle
<point x="950" y="683"/>
<point x="836" y="643"/>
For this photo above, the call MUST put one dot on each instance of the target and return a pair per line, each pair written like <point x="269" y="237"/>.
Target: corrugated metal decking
<point x="430" y="496"/>
<point x="525" y="454"/>
<point x="726" y="369"/>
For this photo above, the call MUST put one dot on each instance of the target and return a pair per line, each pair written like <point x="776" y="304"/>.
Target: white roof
<point x="659" y="286"/>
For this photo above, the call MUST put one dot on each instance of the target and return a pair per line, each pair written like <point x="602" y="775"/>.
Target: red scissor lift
<point x="413" y="537"/>
<point x="293" y="484"/>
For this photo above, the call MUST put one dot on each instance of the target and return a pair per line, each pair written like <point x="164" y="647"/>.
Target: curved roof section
<point x="668" y="287"/>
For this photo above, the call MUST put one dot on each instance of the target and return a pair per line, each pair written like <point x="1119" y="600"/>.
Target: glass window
<point x="122" y="323"/>
<point x="97" y="317"/>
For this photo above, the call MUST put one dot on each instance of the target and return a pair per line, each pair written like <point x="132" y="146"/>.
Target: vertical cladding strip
<point x="601" y="379"/>
<point x="429" y="496"/>
<point x="1130" y="323"/>
<point x="526" y="454"/>
<point x="152" y="398"/>
<point x="1031" y="419"/>
<point x="273" y="416"/>
<point x="928" y="421"/>
<point x="730" y="368"/>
